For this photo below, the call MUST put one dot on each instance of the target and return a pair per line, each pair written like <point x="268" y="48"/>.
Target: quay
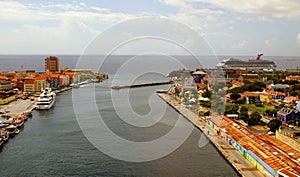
<point x="240" y="164"/>
<point x="142" y="85"/>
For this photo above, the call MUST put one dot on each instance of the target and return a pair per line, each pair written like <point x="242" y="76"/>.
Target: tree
<point x="274" y="124"/>
<point x="235" y="96"/>
<point x="254" y="118"/>
<point x="231" y="109"/>
<point x="207" y="93"/>
<point x="244" y="114"/>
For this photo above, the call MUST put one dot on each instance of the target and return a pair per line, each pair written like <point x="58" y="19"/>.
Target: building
<point x="249" y="77"/>
<point x="39" y="84"/>
<point x="63" y="80"/>
<point x="5" y="85"/>
<point x="290" y="136"/>
<point x="286" y="114"/>
<point x="29" y="85"/>
<point x="268" y="157"/>
<point x="52" y="64"/>
<point x="294" y="78"/>
<point x="7" y="97"/>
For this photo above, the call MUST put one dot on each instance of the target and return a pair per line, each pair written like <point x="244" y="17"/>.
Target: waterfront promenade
<point x="18" y="107"/>
<point x="242" y="165"/>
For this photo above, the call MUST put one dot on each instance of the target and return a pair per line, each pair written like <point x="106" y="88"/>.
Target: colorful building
<point x="52" y="64"/>
<point x="29" y="85"/>
<point x="39" y="84"/>
<point x="286" y="114"/>
<point x="7" y="97"/>
<point x="259" y="152"/>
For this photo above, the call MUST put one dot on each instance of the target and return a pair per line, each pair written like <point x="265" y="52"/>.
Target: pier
<point x="237" y="161"/>
<point x="142" y="85"/>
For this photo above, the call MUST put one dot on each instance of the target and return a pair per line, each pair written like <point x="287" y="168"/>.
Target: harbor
<point x="15" y="114"/>
<point x="52" y="141"/>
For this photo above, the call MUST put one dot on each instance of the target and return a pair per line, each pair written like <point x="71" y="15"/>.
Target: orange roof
<point x="29" y="81"/>
<point x="262" y="148"/>
<point x="54" y="75"/>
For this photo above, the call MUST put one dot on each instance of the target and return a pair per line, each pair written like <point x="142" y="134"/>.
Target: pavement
<point x="241" y="164"/>
<point x="18" y="107"/>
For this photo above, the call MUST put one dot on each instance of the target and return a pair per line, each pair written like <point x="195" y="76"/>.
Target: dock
<point x="242" y="166"/>
<point x="142" y="85"/>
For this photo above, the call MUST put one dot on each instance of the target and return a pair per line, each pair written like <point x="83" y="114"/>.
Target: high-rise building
<point x="52" y="64"/>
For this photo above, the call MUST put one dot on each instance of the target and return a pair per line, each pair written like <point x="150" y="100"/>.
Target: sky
<point x="231" y="27"/>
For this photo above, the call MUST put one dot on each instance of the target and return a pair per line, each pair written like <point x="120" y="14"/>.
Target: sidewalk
<point x="242" y="165"/>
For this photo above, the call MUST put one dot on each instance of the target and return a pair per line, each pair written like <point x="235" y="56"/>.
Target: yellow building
<point x="7" y="97"/>
<point x="265" y="98"/>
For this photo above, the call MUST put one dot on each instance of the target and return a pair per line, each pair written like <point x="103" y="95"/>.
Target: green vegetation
<point x="235" y="96"/>
<point x="231" y="109"/>
<point x="254" y="118"/>
<point x="251" y="87"/>
<point x="207" y="93"/>
<point x="274" y="124"/>
<point x="244" y="115"/>
<point x="261" y="109"/>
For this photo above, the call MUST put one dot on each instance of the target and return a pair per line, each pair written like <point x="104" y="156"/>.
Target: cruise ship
<point x="45" y="100"/>
<point x="233" y="63"/>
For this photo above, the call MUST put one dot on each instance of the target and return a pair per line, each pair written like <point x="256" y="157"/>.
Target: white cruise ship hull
<point x="46" y="106"/>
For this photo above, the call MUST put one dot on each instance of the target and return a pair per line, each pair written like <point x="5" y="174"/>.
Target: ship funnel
<point x="258" y="56"/>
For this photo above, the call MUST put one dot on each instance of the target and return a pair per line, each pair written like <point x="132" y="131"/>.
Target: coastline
<point x="242" y="166"/>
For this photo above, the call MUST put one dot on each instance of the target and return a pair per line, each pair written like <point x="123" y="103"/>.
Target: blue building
<point x="286" y="114"/>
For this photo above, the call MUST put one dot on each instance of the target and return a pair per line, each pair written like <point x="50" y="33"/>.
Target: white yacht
<point x="45" y="100"/>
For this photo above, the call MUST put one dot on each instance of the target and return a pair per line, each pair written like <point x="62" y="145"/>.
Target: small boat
<point x="9" y="121"/>
<point x="29" y="114"/>
<point x="1" y="142"/>
<point x="19" y="121"/>
<point x="12" y="130"/>
<point x="4" y="125"/>
<point x="4" y="134"/>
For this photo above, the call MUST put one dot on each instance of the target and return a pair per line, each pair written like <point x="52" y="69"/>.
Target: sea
<point x="52" y="143"/>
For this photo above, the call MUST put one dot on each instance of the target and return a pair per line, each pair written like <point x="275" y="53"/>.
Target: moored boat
<point x="4" y="134"/>
<point x="19" y="121"/>
<point x="12" y="130"/>
<point x="46" y="100"/>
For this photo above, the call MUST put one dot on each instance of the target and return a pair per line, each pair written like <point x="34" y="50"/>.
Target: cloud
<point x="275" y="9"/>
<point x="191" y="21"/>
<point x="240" y="45"/>
<point x="298" y="38"/>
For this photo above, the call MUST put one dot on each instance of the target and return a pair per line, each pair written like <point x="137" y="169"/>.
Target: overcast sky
<point x="232" y="27"/>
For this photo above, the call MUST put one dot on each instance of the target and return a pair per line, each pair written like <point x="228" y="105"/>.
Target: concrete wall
<point x="289" y="141"/>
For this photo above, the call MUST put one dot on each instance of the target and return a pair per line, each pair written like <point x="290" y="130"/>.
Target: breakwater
<point x="142" y="85"/>
<point x="240" y="164"/>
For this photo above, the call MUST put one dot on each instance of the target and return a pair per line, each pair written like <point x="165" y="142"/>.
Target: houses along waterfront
<point x="259" y="124"/>
<point x="19" y="91"/>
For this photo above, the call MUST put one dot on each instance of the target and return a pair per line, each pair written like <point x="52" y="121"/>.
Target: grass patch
<point x="261" y="110"/>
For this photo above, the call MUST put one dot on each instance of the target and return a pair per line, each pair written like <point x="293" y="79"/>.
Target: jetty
<point x="142" y="85"/>
<point x="238" y="162"/>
